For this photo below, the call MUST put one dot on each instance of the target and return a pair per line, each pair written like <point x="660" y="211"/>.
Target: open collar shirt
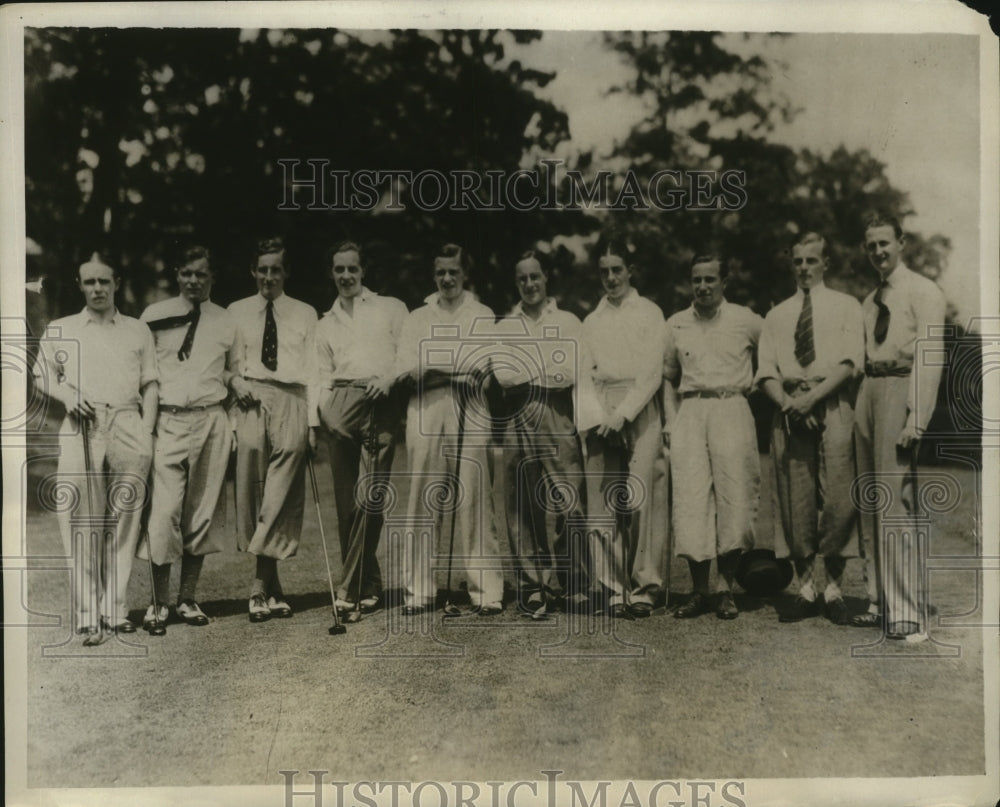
<point x="433" y="337"/>
<point x="541" y="351"/>
<point x="623" y="344"/>
<point x="714" y="353"/>
<point x="108" y="362"/>
<point x="361" y="346"/>
<point x="202" y="378"/>
<point x="838" y="336"/>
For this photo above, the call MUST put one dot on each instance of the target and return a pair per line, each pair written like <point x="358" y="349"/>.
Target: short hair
<point x="99" y="259"/>
<point x="455" y="251"/>
<point x="270" y="246"/>
<point x="192" y="254"/>
<point x="534" y="255"/>
<point x="711" y="257"/>
<point x="616" y="242"/>
<point x="344" y="246"/>
<point x="813" y="238"/>
<point x="879" y="219"/>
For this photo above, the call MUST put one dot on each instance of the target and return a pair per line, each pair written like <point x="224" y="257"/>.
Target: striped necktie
<point x="269" y="345"/>
<point x="805" y="348"/>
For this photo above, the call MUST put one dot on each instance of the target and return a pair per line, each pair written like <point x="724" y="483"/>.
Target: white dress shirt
<point x="541" y="351"/>
<point x="361" y="346"/>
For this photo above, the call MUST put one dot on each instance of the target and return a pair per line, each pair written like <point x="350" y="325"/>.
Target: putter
<point x="372" y="446"/>
<point x="154" y="628"/>
<point x="451" y="610"/>
<point x="336" y="629"/>
<point x="92" y="639"/>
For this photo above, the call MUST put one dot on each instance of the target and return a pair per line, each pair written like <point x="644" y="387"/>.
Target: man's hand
<point x="909" y="436"/>
<point x="241" y="389"/>
<point x="377" y="388"/>
<point x="81" y="408"/>
<point x="799" y="407"/>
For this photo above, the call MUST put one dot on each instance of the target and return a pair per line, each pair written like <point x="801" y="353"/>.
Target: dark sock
<point x="190" y="571"/>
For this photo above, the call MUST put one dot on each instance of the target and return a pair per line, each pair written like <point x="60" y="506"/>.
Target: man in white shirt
<point x="903" y="318"/>
<point x="811" y="351"/>
<point x="108" y="384"/>
<point x="276" y="419"/>
<point x="715" y="466"/>
<point x="447" y="410"/>
<point x="536" y="368"/>
<point x="622" y="355"/>
<point x="356" y="354"/>
<point x="195" y="350"/>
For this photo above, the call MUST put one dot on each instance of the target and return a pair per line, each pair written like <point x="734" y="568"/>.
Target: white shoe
<point x="916" y="638"/>
<point x="151" y="616"/>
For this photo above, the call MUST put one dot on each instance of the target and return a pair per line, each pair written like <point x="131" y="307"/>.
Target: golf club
<point x="371" y="447"/>
<point x="336" y="629"/>
<point x="451" y="610"/>
<point x="91" y="639"/>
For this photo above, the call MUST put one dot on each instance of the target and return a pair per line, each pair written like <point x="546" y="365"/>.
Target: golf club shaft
<point x="322" y="539"/>
<point x="92" y="546"/>
<point x="458" y="468"/>
<point x="371" y="446"/>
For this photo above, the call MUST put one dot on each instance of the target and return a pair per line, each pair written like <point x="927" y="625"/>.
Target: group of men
<point x="585" y="419"/>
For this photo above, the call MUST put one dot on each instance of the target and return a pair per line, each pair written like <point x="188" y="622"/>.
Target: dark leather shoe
<point x="800" y="609"/>
<point x="837" y="612"/>
<point x="259" y="612"/>
<point x="121" y="627"/>
<point x="866" y="620"/>
<point x="619" y="611"/>
<point x="900" y="630"/>
<point x="726" y="609"/>
<point x="413" y="610"/>
<point x="640" y="610"/>
<point x="191" y="612"/>
<point x="697" y="605"/>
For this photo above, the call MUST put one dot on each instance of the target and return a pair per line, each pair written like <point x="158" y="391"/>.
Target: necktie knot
<point x="193" y="316"/>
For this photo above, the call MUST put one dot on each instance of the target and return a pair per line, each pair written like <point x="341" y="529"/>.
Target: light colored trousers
<point x="893" y="557"/>
<point x="627" y="483"/>
<point x="272" y="440"/>
<point x="120" y="453"/>
<point x="432" y="430"/>
<point x="716" y="477"/>
<point x="189" y="469"/>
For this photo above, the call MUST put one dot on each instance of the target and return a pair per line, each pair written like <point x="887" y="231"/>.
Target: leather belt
<point x="183" y="410"/>
<point x="711" y="393"/>
<point x="887" y="369"/>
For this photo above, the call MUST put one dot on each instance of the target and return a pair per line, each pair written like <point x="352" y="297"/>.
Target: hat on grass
<point x="762" y="574"/>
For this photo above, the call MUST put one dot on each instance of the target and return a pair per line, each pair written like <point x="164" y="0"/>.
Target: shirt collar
<point x="631" y="298"/>
<point x="548" y="308"/>
<point x="262" y="301"/>
<point x="338" y="305"/>
<point x="717" y="315"/>
<point x="897" y="276"/>
<point x="816" y="291"/>
<point x="468" y="298"/>
<point x="89" y="317"/>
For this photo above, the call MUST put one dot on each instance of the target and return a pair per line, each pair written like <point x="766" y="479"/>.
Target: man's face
<point x="809" y="264"/>
<point x="270" y="275"/>
<point x="449" y="277"/>
<point x="615" y="277"/>
<point x="195" y="280"/>
<point x="707" y="284"/>
<point x="883" y="248"/>
<point x="348" y="273"/>
<point x="98" y="285"/>
<point x="530" y="282"/>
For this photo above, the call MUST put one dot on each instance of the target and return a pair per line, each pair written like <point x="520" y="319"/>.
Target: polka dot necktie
<point x="269" y="346"/>
<point x="805" y="349"/>
<point x="882" y="320"/>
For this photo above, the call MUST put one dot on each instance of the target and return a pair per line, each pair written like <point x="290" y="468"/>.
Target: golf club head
<point x="337" y="630"/>
<point x="450" y="611"/>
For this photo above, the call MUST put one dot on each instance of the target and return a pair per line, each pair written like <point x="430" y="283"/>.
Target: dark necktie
<point x="269" y="347"/>
<point x="882" y="320"/>
<point x="805" y="348"/>
<point x="185" y="352"/>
